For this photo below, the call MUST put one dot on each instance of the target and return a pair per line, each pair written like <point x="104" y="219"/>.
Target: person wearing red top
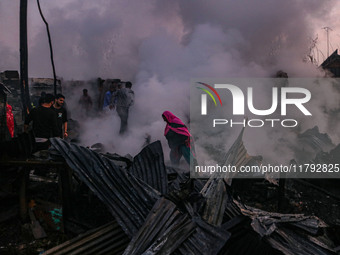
<point x="10" y="120"/>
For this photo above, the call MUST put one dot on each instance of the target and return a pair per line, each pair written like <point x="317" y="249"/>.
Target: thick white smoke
<point x="161" y="45"/>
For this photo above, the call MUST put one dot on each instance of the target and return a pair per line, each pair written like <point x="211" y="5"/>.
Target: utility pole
<point x="327" y="31"/>
<point x="25" y="95"/>
<point x="51" y="50"/>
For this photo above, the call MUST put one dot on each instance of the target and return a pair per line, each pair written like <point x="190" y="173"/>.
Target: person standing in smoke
<point x="179" y="139"/>
<point x="108" y="96"/>
<point x="85" y="102"/>
<point x="61" y="115"/>
<point x="122" y="99"/>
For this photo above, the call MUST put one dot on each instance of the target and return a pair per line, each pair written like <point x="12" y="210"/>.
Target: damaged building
<point x="332" y="64"/>
<point x="38" y="85"/>
<point x="11" y="80"/>
<point x="74" y="200"/>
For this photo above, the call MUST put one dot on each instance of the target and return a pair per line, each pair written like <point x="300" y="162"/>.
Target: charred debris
<point x="76" y="200"/>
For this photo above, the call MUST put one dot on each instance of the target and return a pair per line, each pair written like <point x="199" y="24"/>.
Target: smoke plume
<point x="160" y="46"/>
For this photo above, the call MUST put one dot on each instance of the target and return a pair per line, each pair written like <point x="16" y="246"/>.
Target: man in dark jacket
<point x="44" y="120"/>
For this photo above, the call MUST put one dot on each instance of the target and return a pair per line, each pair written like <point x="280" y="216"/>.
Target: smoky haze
<point x="160" y="46"/>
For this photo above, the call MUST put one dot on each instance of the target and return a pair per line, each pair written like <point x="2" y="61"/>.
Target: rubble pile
<point x="181" y="216"/>
<point x="110" y="204"/>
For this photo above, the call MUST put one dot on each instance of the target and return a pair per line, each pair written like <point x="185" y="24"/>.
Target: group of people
<point x="119" y="97"/>
<point x="49" y="119"/>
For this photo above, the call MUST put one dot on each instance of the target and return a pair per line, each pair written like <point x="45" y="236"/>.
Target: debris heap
<point x="155" y="214"/>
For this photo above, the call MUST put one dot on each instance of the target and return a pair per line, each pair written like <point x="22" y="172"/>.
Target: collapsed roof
<point x="185" y="216"/>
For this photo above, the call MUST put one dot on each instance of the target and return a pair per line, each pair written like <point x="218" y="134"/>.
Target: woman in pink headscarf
<point x="179" y="139"/>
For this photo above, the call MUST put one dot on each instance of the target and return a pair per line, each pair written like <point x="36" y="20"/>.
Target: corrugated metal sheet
<point x="313" y="139"/>
<point x="128" y="198"/>
<point x="289" y="233"/>
<point x="111" y="183"/>
<point x="232" y="155"/>
<point x="236" y="156"/>
<point x="163" y="231"/>
<point x="215" y="190"/>
<point x="216" y="201"/>
<point x="108" y="239"/>
<point x="149" y="166"/>
<point x="226" y="226"/>
<point x="254" y="231"/>
<point x="168" y="231"/>
<point x="206" y="239"/>
<point x="231" y="211"/>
